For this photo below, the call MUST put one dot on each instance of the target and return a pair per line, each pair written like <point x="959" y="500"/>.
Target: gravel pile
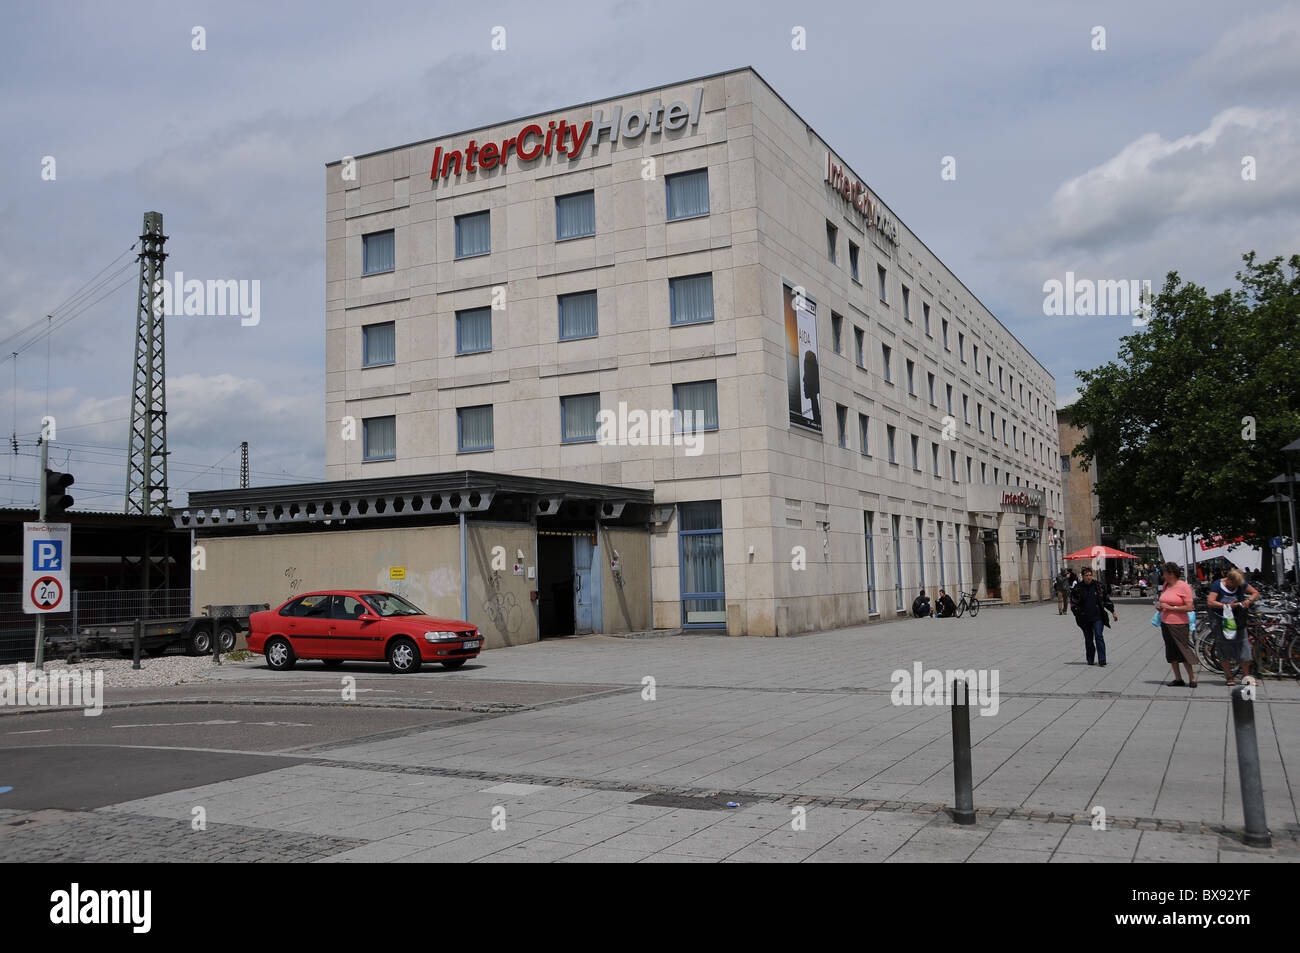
<point x="163" y="670"/>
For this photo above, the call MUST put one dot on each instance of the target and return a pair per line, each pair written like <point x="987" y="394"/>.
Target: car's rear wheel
<point x="454" y="663"/>
<point x="403" y="656"/>
<point x="332" y="662"/>
<point x="279" y="654"/>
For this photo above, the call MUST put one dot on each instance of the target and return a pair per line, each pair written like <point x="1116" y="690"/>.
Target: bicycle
<point x="972" y="604"/>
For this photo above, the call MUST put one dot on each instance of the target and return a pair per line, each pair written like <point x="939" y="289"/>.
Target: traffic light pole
<point x="41" y="499"/>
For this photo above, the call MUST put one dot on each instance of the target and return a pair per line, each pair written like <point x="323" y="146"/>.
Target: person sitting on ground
<point x="921" y="605"/>
<point x="944" y="607"/>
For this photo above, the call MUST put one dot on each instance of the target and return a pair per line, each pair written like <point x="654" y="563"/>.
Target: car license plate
<point x="472" y="644"/>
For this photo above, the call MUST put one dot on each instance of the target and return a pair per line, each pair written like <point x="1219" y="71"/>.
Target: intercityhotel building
<point x="658" y="361"/>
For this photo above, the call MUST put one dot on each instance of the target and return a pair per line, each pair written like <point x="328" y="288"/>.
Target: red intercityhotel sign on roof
<point x="568" y="139"/>
<point x="856" y="194"/>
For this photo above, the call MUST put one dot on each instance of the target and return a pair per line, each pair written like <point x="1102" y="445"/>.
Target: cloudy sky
<point x="1117" y="163"/>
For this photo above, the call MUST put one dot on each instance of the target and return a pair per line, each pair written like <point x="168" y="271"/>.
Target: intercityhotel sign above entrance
<point x="998" y="499"/>
<point x="568" y="139"/>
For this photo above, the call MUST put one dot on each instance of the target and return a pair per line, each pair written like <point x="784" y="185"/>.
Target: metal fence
<point x="106" y="607"/>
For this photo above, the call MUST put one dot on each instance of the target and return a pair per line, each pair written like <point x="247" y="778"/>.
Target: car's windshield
<point x="387" y="603"/>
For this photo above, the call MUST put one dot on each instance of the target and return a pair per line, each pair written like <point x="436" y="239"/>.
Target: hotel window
<point x="920" y="550"/>
<point x="952" y="461"/>
<point x="859" y="343"/>
<point x="880" y="275"/>
<point x="929" y="383"/>
<point x="832" y="239"/>
<point x="378" y="345"/>
<point x="1004" y="430"/>
<point x="890" y="433"/>
<point x="474" y="428"/>
<point x="907" y="304"/>
<point x="853" y="261"/>
<point x="887" y="353"/>
<point x="1000" y="385"/>
<point x="578" y="316"/>
<point x="965" y="409"/>
<point x="579" y="418"/>
<point x="934" y="458"/>
<point x="690" y="299"/>
<point x="473" y="330"/>
<point x="968" y="470"/>
<point x="916" y="453"/>
<point x="700" y="556"/>
<point x="837" y="332"/>
<point x="1015" y="438"/>
<point x="1065" y="463"/>
<point x="575" y="215"/>
<point x="379" y="438"/>
<point x="911" y="378"/>
<point x="688" y="194"/>
<point x="868" y="521"/>
<point x="988" y="367"/>
<point x="948" y="389"/>
<point x="984" y="473"/>
<point x="701" y="399"/>
<point x="473" y="234"/>
<point x="961" y="346"/>
<point x="975" y="356"/>
<point x="842" y="420"/>
<point x="864" y="434"/>
<point x="944" y="325"/>
<point x="996" y="474"/>
<point x="925" y="316"/>
<point x="979" y="416"/>
<point x="377" y="252"/>
<point x="898" y="563"/>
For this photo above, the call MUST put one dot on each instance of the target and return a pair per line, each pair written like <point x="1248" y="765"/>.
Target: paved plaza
<point x="801" y="735"/>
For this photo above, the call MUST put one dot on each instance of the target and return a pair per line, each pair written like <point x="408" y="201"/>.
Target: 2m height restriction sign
<point x="47" y="555"/>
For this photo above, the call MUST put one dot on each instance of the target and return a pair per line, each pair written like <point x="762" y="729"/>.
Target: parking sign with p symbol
<point x="47" y="555"/>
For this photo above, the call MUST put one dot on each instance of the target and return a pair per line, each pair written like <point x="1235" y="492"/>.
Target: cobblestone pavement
<point x="800" y="734"/>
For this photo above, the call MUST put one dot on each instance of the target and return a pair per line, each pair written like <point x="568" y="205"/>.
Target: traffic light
<point x="56" y="497"/>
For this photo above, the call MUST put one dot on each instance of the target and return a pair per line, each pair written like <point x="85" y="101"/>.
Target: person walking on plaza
<point x="1232" y="594"/>
<point x="1090" y="603"/>
<point x="1176" y="602"/>
<point x="1062" y="592"/>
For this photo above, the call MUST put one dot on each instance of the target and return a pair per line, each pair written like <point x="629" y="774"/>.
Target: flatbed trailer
<point x="195" y="634"/>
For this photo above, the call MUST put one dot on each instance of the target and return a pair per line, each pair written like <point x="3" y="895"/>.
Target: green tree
<point x="1170" y="419"/>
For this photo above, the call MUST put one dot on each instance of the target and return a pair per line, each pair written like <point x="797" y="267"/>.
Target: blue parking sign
<point x="47" y="555"/>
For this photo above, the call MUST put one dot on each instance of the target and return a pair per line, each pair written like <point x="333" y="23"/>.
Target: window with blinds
<point x="578" y="315"/>
<point x="379" y="437"/>
<point x="575" y="215"/>
<point x="690" y="299"/>
<point x="579" y="417"/>
<point x="701" y="399"/>
<point x="378" y="344"/>
<point x="473" y="234"/>
<point x="377" y="252"/>
<point x="473" y="330"/>
<point x="474" y="428"/>
<point x="688" y="194"/>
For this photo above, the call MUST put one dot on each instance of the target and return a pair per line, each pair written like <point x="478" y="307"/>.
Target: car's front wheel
<point x="279" y="654"/>
<point x="403" y="656"/>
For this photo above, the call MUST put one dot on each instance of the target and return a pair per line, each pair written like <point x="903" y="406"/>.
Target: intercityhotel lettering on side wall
<point x="568" y="139"/>
<point x="855" y="193"/>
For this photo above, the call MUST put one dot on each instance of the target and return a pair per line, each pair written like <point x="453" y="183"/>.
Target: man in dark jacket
<point x="944" y="607"/>
<point x="921" y="605"/>
<point x="1089" y="602"/>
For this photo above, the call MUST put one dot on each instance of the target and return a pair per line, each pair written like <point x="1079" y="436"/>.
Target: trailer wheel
<point x="226" y="637"/>
<point x="279" y="654"/>
<point x="201" y="641"/>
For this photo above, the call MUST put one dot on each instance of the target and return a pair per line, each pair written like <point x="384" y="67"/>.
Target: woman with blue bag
<point x="1229" y="599"/>
<point x="1176" y="604"/>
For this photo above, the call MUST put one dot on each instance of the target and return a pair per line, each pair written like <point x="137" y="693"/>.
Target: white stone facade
<point x="782" y="486"/>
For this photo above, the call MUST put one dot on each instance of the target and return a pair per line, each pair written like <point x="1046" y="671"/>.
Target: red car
<point x="345" y="625"/>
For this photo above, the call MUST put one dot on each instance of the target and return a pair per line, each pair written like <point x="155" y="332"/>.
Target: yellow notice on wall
<point x="396" y="572"/>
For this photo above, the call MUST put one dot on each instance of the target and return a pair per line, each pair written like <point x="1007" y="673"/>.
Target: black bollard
<point x="135" y="645"/>
<point x="964" y="810"/>
<point x="1252" y="787"/>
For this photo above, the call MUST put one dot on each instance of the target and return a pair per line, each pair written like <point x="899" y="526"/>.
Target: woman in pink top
<point x="1175" y="602"/>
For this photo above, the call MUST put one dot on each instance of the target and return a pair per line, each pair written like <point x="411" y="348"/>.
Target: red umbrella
<point x="1104" y="552"/>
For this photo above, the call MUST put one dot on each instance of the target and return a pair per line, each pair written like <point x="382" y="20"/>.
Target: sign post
<point x="47" y="558"/>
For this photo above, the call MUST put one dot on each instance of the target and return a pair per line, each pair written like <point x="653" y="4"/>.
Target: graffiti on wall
<point x="503" y="608"/>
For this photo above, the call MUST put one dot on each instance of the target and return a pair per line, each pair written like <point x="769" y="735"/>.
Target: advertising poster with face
<point x="803" y="375"/>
